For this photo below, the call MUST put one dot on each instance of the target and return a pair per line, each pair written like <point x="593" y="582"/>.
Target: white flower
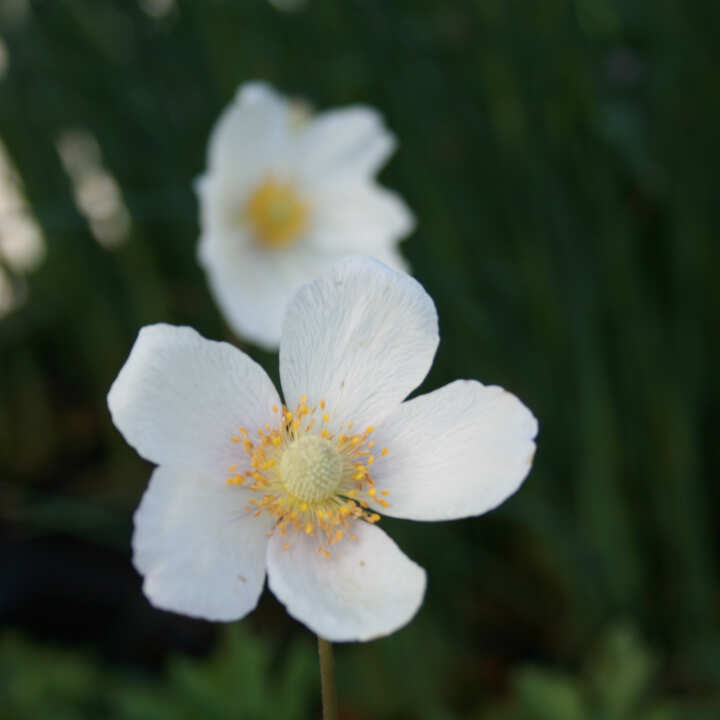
<point x="284" y="196"/>
<point x="245" y="484"/>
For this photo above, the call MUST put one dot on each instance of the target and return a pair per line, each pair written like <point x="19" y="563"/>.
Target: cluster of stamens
<point x="311" y="479"/>
<point x="276" y="213"/>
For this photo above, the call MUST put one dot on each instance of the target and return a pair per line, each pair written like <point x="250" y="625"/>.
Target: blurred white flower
<point x="245" y="484"/>
<point x="285" y="195"/>
<point x="22" y="243"/>
<point x="97" y="193"/>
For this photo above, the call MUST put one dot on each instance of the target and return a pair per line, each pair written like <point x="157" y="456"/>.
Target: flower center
<point x="311" y="468"/>
<point x="311" y="478"/>
<point x="276" y="213"/>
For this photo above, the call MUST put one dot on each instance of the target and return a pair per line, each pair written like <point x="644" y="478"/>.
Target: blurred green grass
<point x="561" y="157"/>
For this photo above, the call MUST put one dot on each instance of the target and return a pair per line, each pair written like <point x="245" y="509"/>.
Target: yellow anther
<point x="385" y="492"/>
<point x="295" y="496"/>
<point x="276" y="214"/>
<point x="235" y="439"/>
<point x="384" y="452"/>
<point x="285" y="546"/>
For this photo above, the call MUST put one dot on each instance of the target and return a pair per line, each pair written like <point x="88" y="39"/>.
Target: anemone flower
<point x="248" y="484"/>
<point x="285" y="195"/>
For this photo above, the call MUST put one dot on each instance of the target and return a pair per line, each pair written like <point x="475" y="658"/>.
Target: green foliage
<point x="618" y="683"/>
<point x="242" y="680"/>
<point x="245" y="679"/>
<point x="39" y="682"/>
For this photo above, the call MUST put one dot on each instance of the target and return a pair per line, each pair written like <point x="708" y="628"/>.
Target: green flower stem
<point x="327" y="679"/>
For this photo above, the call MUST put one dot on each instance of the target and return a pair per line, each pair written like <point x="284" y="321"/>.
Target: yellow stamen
<point x="307" y="479"/>
<point x="277" y="214"/>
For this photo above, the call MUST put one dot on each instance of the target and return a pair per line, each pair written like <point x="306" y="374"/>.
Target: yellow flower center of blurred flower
<point x="276" y="214"/>
<point x="308" y="478"/>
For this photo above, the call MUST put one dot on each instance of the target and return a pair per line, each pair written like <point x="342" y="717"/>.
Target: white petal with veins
<point x="361" y="337"/>
<point x="455" y="452"/>
<point x="365" y="589"/>
<point x="201" y="554"/>
<point x="179" y="398"/>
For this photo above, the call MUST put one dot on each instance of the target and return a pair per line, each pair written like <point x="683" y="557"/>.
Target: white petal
<point x="253" y="287"/>
<point x="455" y="452"/>
<point x="200" y="553"/>
<point x="365" y="589"/>
<point x="179" y="399"/>
<point x="251" y="137"/>
<point x="358" y="218"/>
<point x="343" y="144"/>
<point x="361" y="337"/>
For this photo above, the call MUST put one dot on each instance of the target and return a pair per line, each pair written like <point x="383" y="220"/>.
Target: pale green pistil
<point x="311" y="468"/>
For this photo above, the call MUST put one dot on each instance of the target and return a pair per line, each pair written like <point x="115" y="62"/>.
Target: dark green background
<point x="562" y="160"/>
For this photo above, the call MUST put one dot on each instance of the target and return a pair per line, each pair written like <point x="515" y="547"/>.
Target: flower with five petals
<point x="247" y="483"/>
